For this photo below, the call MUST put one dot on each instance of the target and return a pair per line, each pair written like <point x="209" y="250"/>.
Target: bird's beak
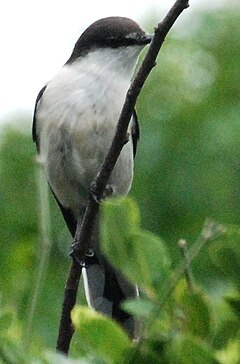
<point x="146" y="39"/>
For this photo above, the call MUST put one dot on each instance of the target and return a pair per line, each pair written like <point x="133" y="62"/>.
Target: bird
<point x="74" y="122"/>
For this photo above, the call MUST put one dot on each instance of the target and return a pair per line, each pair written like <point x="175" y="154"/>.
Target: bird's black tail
<point x="106" y="289"/>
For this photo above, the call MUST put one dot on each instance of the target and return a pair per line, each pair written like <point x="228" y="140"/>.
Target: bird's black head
<point x="111" y="32"/>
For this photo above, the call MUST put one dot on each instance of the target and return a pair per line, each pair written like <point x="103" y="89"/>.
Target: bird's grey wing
<point x="35" y="136"/>
<point x="67" y="214"/>
<point x="135" y="132"/>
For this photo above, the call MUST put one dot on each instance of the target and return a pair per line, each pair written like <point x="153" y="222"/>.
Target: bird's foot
<point x="75" y="254"/>
<point x="108" y="192"/>
<point x="93" y="192"/>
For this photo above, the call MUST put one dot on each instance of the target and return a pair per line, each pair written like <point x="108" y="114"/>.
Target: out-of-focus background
<point x="188" y="161"/>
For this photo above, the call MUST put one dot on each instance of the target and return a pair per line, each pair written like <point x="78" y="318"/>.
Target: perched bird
<point x="74" y="122"/>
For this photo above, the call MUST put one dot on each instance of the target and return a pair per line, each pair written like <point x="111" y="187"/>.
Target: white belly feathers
<point x="76" y="121"/>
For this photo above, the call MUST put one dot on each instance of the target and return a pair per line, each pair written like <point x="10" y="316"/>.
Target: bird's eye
<point x="113" y="42"/>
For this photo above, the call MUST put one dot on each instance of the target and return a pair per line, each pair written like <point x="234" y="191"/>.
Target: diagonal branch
<point x="84" y="232"/>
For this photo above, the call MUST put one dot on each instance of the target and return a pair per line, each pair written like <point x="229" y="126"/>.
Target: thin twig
<point x="66" y="328"/>
<point x="84" y="232"/>
<point x="211" y="230"/>
<point x="182" y="244"/>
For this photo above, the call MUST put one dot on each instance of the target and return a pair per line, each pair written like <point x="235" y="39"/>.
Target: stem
<point x="211" y="230"/>
<point x="182" y="244"/>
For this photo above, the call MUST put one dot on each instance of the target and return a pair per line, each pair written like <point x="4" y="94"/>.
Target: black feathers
<point x="34" y="125"/>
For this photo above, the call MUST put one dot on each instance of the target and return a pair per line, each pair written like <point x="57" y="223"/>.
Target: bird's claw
<point x="74" y="254"/>
<point x="93" y="193"/>
<point x="109" y="190"/>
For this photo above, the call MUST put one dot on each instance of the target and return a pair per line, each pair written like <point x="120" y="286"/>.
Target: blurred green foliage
<point x="187" y="169"/>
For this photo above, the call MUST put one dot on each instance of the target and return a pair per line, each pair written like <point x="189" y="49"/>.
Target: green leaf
<point x="226" y="332"/>
<point x="120" y="216"/>
<point x="225" y="253"/>
<point x="234" y="303"/>
<point x="195" y="313"/>
<point x="13" y="352"/>
<point x="101" y="336"/>
<point x="230" y="354"/>
<point x="139" y="307"/>
<point x="6" y="319"/>
<point x="147" y="352"/>
<point x="140" y="255"/>
<point x="189" y="350"/>
<point x="148" y="262"/>
<point x="119" y="220"/>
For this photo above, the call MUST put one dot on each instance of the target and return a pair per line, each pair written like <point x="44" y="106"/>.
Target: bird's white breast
<point x="76" y="120"/>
